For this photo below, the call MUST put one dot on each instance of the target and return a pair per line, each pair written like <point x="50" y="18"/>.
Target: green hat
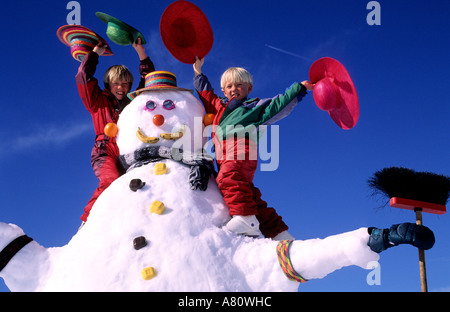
<point x="120" y="32"/>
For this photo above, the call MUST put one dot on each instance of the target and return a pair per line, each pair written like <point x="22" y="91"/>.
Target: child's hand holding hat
<point x="100" y="48"/>
<point x="308" y="85"/>
<point x="198" y="65"/>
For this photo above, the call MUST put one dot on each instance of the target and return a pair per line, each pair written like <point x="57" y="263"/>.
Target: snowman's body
<point x="186" y="247"/>
<point x="191" y="218"/>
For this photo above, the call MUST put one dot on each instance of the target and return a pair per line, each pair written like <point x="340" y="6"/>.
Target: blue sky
<point x="400" y="70"/>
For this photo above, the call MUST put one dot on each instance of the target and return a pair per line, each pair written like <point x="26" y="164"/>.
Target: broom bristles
<point x="409" y="184"/>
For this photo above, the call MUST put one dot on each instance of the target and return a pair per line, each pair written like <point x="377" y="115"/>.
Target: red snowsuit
<point x="104" y="108"/>
<point x="237" y="161"/>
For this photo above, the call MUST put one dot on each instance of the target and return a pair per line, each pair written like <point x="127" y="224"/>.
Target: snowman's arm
<point x="310" y="259"/>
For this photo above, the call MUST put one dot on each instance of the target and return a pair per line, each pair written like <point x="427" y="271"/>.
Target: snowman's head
<point x="161" y="117"/>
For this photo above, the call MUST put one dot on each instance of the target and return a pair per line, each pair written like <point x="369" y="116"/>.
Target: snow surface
<point x="186" y="244"/>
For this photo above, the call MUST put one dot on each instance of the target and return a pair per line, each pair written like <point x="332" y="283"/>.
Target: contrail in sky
<point x="289" y="53"/>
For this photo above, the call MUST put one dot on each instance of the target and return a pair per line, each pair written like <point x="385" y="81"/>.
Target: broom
<point x="418" y="191"/>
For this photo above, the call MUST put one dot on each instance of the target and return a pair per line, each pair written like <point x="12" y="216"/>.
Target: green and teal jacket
<point x="233" y="117"/>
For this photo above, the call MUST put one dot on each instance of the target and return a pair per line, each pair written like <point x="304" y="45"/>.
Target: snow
<point x="187" y="246"/>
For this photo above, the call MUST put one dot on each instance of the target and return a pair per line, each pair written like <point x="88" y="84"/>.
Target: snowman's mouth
<point x="145" y="139"/>
<point x="166" y="136"/>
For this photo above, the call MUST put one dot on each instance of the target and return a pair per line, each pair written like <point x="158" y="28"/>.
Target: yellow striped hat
<point x="158" y="80"/>
<point x="81" y="40"/>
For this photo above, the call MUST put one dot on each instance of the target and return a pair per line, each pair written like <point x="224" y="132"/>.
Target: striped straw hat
<point x="158" y="80"/>
<point x="81" y="40"/>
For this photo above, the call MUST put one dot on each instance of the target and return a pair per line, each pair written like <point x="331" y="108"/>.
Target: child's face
<point x="240" y="90"/>
<point x="119" y="89"/>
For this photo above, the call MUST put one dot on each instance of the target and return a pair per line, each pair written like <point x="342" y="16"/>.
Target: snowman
<point x="159" y="227"/>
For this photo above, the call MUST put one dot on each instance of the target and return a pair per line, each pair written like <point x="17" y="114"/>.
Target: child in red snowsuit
<point x="105" y="107"/>
<point x="237" y="161"/>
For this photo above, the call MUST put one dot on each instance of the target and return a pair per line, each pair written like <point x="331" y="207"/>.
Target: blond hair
<point x="117" y="72"/>
<point x="235" y="74"/>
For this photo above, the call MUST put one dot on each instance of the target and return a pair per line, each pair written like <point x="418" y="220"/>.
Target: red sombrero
<point x="186" y="32"/>
<point x="81" y="40"/>
<point x="335" y="92"/>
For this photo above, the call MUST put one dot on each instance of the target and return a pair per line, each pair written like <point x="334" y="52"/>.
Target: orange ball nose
<point x="158" y="120"/>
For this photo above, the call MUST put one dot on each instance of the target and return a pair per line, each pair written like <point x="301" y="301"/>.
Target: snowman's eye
<point x="149" y="106"/>
<point x="169" y="104"/>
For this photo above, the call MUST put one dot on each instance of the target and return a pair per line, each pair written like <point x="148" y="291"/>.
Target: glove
<point x="199" y="176"/>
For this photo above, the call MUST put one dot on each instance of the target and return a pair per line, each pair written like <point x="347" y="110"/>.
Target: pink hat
<point x="81" y="40"/>
<point x="335" y="92"/>
<point x="186" y="32"/>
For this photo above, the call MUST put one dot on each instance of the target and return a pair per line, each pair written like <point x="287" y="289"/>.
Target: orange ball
<point x="158" y="120"/>
<point x="111" y="130"/>
<point x="208" y="119"/>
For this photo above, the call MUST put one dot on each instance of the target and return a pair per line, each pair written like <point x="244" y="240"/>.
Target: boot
<point x="245" y="225"/>
<point x="405" y="233"/>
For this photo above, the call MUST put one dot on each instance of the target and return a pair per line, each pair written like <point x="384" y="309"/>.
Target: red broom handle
<point x="423" y="271"/>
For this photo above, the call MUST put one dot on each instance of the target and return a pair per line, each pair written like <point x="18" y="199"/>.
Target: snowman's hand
<point x="199" y="176"/>
<point x="198" y="179"/>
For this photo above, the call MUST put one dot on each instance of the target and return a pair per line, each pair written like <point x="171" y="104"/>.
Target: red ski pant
<point x="104" y="160"/>
<point x="237" y="168"/>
